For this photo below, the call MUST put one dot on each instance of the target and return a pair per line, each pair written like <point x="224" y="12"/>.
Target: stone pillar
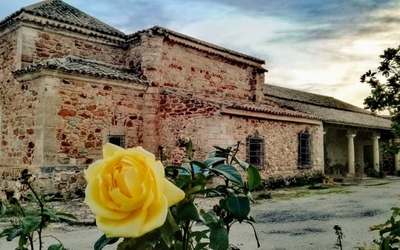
<point x="396" y="161"/>
<point x="350" y="149"/>
<point x="375" y="150"/>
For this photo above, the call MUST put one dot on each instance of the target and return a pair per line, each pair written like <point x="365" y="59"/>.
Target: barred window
<point x="256" y="151"/>
<point x="305" y="157"/>
<point x="118" y="140"/>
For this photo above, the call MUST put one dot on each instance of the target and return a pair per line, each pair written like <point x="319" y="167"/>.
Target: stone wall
<point x="182" y="117"/>
<point x="203" y="122"/>
<point x="42" y="44"/>
<point x="199" y="71"/>
<point x="82" y="113"/>
<point x="15" y="129"/>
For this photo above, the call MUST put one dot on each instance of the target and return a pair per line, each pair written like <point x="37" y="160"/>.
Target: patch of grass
<point x="377" y="184"/>
<point x="317" y="187"/>
<point x="264" y="196"/>
<point x="335" y="191"/>
<point x="307" y="193"/>
<point x="371" y="247"/>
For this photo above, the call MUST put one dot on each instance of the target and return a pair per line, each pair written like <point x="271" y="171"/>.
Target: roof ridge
<point x="161" y="29"/>
<point x="60" y="11"/>
<point x="310" y="93"/>
<point x="35" y="5"/>
<point x="344" y="105"/>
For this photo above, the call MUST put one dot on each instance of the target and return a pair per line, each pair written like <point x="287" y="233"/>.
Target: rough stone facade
<point x="159" y="86"/>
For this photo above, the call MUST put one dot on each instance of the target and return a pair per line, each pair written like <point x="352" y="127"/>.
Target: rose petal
<point x="140" y="152"/>
<point x="156" y="215"/>
<point x="93" y="200"/>
<point x="93" y="170"/>
<point x="109" y="150"/>
<point x="137" y="223"/>
<point x="128" y="227"/>
<point x="172" y="193"/>
<point x="157" y="171"/>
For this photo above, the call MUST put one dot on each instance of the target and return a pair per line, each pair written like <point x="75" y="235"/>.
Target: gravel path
<point x="300" y="223"/>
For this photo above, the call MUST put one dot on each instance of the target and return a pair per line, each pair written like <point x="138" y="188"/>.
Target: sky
<point x="317" y="46"/>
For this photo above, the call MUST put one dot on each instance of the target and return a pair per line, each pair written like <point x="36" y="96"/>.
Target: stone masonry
<point x="66" y="86"/>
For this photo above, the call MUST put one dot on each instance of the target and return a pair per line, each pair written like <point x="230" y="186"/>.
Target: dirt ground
<point x="293" y="219"/>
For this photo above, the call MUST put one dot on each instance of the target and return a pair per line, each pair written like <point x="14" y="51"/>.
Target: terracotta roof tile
<point x="75" y="65"/>
<point x="326" y="108"/>
<point x="60" y="11"/>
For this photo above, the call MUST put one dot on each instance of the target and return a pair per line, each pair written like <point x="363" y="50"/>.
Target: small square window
<point x="118" y="140"/>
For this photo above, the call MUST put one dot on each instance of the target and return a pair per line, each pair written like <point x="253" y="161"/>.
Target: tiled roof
<point x="60" y="11"/>
<point x="310" y="98"/>
<point x="273" y="110"/>
<point x="328" y="109"/>
<point x="75" y="65"/>
<point x="161" y="30"/>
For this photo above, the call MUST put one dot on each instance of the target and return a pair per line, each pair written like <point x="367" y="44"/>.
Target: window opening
<point x="118" y="140"/>
<point x="255" y="146"/>
<point x="305" y="150"/>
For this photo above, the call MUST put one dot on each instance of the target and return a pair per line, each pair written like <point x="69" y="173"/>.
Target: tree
<point x="385" y="90"/>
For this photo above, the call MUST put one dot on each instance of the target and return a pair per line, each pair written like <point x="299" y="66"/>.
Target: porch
<point x="357" y="151"/>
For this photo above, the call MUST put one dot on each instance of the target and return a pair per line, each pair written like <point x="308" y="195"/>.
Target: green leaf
<point x="201" y="245"/>
<point x="30" y="224"/>
<point x="6" y="232"/>
<point x="168" y="229"/>
<point x="253" y="177"/>
<point x="22" y="241"/>
<point x="188" y="211"/>
<point x="230" y="172"/>
<point x="200" y="235"/>
<point x="209" y="218"/>
<point x="243" y="164"/>
<point x="15" y="233"/>
<point x="48" y="198"/>
<point x="205" y="191"/>
<point x="199" y="164"/>
<point x="69" y="216"/>
<point x="171" y="168"/>
<point x="186" y="160"/>
<point x="219" y="238"/>
<point x="51" y="214"/>
<point x="239" y="206"/>
<point x="211" y="161"/>
<point x="104" y="241"/>
<point x="56" y="247"/>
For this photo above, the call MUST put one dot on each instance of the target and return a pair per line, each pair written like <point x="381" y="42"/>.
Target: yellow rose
<point x="128" y="192"/>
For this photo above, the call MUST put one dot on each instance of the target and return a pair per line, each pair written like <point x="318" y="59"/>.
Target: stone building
<point x="70" y="83"/>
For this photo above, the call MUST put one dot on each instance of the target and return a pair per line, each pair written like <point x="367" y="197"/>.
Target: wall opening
<point x="255" y="147"/>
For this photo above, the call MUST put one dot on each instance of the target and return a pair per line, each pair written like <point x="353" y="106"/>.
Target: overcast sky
<point x="312" y="45"/>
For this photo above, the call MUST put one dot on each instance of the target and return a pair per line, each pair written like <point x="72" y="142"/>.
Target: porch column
<point x="396" y="161"/>
<point x="351" y="159"/>
<point x="375" y="149"/>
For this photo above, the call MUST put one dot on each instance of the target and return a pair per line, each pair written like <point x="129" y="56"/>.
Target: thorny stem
<point x="235" y="152"/>
<point x="41" y="215"/>
<point x="186" y="235"/>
